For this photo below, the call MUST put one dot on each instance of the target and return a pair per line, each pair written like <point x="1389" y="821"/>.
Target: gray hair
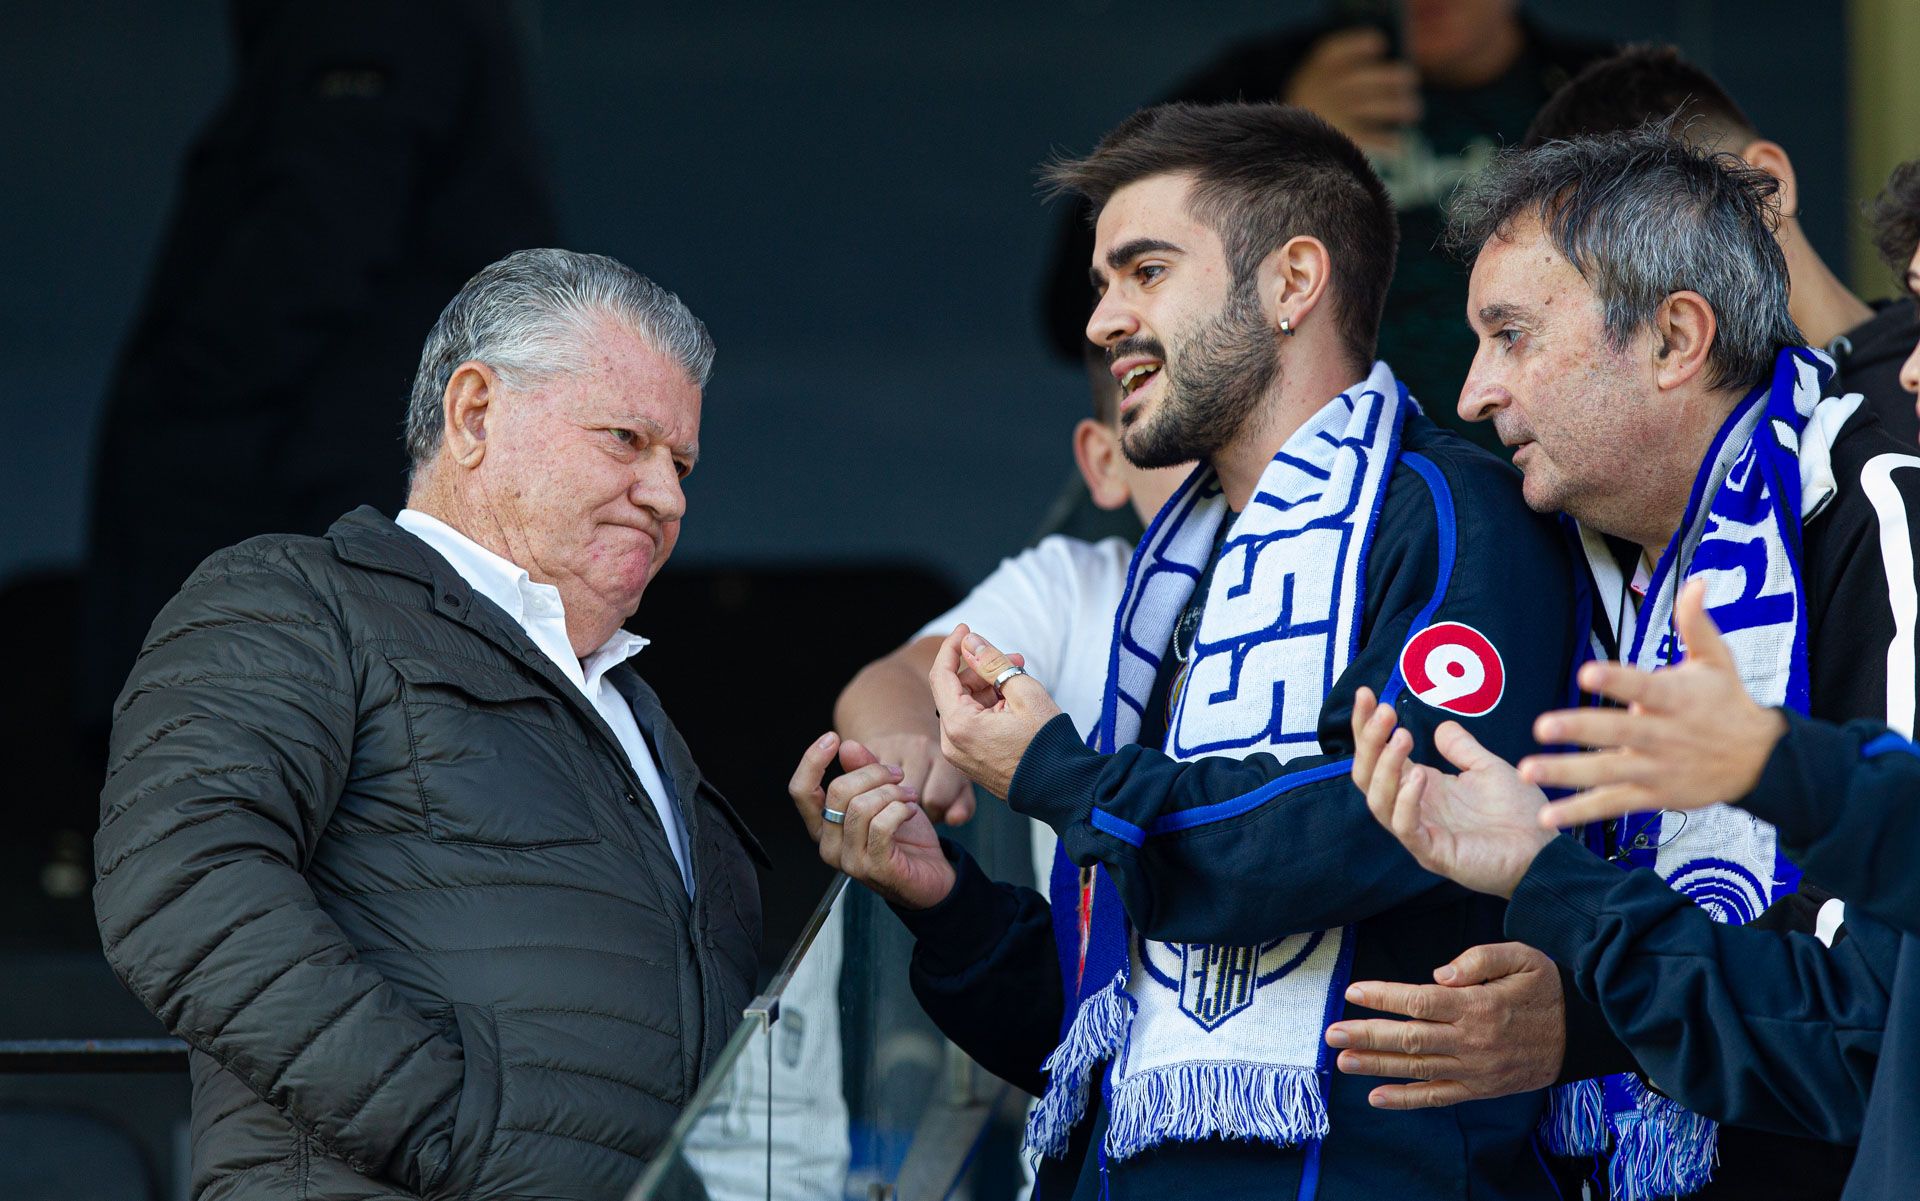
<point x="529" y="317"/>
<point x="1642" y="215"/>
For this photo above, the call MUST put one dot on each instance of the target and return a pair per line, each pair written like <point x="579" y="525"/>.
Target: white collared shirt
<point x="538" y="610"/>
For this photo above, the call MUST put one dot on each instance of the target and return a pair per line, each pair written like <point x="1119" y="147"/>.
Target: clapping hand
<point x="882" y="837"/>
<point x="1480" y="828"/>
<point x="1689" y="737"/>
<point x="985" y="728"/>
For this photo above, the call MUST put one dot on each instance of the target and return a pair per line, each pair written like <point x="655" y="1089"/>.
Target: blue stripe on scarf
<point x="1285" y="1104"/>
<point x="1660" y="1149"/>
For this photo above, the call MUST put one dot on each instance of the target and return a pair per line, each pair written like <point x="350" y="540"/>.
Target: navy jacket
<point x="1238" y="851"/>
<point x="1846" y="801"/>
<point x="1857" y="563"/>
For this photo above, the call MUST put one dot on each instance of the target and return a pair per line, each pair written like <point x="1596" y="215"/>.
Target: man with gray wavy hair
<point x="395" y="837"/>
<point x="1636" y="349"/>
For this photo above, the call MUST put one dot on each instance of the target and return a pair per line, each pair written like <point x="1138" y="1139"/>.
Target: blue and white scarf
<point x="1215" y="1041"/>
<point x="1768" y="470"/>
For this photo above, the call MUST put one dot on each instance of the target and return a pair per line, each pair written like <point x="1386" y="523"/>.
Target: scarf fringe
<point x="1576" y="1121"/>
<point x="1190" y="1101"/>
<point x="1097" y="1033"/>
<point x="1667" y="1151"/>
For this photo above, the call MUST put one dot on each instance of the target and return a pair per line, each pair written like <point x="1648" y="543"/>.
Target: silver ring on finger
<point x="1006" y="675"/>
<point x="833" y="817"/>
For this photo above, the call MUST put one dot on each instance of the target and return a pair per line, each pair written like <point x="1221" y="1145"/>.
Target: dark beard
<point x="1213" y="386"/>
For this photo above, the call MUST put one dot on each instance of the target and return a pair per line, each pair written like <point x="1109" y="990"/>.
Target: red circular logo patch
<point x="1453" y="667"/>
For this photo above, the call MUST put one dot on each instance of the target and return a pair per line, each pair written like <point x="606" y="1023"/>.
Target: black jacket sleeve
<point x="1241" y="850"/>
<point x="231" y="743"/>
<point x="1846" y="802"/>
<point x="985" y="970"/>
<point x="1746" y="1026"/>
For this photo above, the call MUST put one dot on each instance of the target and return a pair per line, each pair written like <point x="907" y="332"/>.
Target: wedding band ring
<point x="1006" y="675"/>
<point x="834" y="817"/>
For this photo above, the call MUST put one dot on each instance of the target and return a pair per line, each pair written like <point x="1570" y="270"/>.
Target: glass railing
<point x="836" y="1086"/>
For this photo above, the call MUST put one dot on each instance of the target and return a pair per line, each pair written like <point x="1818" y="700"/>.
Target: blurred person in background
<point x="1636" y="346"/>
<point x="395" y="837"/>
<point x="1429" y="89"/>
<point x="367" y="159"/>
<point x="1895" y="215"/>
<point x="1868" y="343"/>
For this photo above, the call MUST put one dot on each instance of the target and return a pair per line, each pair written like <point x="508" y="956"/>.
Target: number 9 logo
<point x="1454" y="667"/>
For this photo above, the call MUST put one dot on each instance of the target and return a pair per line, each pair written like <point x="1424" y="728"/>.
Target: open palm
<point x="1479" y="828"/>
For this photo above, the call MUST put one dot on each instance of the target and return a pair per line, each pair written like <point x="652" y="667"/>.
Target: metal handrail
<point x="26" y="1056"/>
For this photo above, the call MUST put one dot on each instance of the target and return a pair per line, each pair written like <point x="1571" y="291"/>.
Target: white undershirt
<point x="1055" y="604"/>
<point x="538" y="610"/>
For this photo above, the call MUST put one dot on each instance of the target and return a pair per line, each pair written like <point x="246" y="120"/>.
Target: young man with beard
<point x="1213" y="897"/>
<point x="1629" y="294"/>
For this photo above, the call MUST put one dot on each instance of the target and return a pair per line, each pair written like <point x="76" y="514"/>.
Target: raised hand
<point x="945" y="792"/>
<point x="884" y="839"/>
<point x="1690" y="735"/>
<point x="984" y="731"/>
<point x="1494" y="1025"/>
<point x="1348" y="80"/>
<point x="1480" y="828"/>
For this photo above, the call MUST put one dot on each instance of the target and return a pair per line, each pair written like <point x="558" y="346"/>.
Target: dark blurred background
<point x="845" y="193"/>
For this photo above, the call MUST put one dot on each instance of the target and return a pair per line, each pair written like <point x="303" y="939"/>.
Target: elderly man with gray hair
<point x="393" y="834"/>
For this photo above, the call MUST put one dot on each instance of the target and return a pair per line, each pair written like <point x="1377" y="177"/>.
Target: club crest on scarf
<point x="1216" y="982"/>
<point x="1765" y="473"/>
<point x="1218" y="1041"/>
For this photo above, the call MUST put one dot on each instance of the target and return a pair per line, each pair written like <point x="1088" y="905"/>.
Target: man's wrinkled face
<point x="1579" y="413"/>
<point x="1193" y="353"/>
<point x="583" y="470"/>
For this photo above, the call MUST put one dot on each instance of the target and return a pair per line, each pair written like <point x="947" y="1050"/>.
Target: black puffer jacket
<point x="370" y="853"/>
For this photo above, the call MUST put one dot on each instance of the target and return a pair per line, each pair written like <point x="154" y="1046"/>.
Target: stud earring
<point x="1286" y="327"/>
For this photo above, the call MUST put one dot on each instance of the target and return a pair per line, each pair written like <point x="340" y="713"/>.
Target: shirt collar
<point x="531" y="604"/>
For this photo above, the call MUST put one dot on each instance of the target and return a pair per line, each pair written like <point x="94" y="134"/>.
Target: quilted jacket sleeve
<point x="231" y="743"/>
